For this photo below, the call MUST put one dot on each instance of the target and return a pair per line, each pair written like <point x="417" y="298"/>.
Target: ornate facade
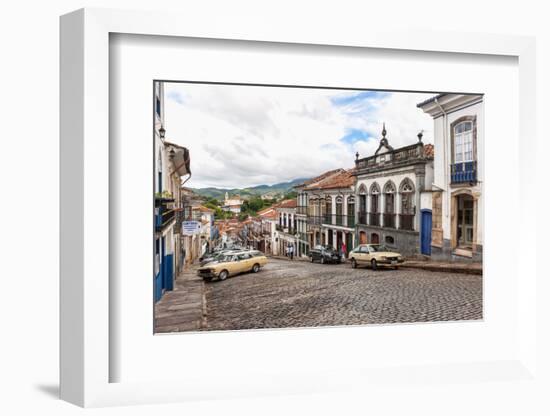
<point x="393" y="196"/>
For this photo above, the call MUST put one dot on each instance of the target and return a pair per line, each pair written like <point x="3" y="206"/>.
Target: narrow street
<point x="303" y="294"/>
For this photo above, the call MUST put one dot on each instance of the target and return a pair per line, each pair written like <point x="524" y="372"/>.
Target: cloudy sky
<point x="241" y="136"/>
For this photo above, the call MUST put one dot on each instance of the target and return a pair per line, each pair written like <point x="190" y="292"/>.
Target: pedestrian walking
<point x="291" y="250"/>
<point x="343" y="250"/>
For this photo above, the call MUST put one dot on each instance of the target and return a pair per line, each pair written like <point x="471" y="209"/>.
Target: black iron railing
<point x="374" y="219"/>
<point x="406" y="222"/>
<point x="163" y="216"/>
<point x="389" y="220"/>
<point x="314" y="220"/>
<point x="464" y="172"/>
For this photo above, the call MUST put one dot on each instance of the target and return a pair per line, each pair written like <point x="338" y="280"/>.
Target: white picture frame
<point x="86" y="356"/>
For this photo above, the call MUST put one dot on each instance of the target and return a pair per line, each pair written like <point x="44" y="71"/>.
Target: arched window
<point x="350" y="219"/>
<point x="463" y="142"/>
<point x="389" y="204"/>
<point x="362" y="209"/>
<point x="374" y="205"/>
<point x="339" y="210"/>
<point x="406" y="189"/>
<point x="463" y="150"/>
<point x="328" y="210"/>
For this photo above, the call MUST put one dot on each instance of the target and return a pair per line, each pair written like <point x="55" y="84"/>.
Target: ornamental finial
<point x="384" y="132"/>
<point x="356" y="155"/>
<point x="419" y="135"/>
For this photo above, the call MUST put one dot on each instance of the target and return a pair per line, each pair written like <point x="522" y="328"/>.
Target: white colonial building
<point x="172" y="162"/>
<point x="457" y="232"/>
<point x="286" y="228"/>
<point x="326" y="211"/>
<point x="232" y="204"/>
<point x="393" y="196"/>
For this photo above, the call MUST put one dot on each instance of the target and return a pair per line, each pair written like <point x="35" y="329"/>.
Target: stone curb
<point x="447" y="268"/>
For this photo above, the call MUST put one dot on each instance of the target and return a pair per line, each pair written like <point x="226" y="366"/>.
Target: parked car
<point x="324" y="254"/>
<point x="231" y="264"/>
<point x="207" y="258"/>
<point x="374" y="255"/>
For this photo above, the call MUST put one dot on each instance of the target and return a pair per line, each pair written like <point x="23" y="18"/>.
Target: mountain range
<point x="258" y="190"/>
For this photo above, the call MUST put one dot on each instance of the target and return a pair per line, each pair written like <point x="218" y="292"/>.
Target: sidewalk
<point x="434" y="266"/>
<point x="184" y="308"/>
<point x="448" y="267"/>
<point x="296" y="258"/>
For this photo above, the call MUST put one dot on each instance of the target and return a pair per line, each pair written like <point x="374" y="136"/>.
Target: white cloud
<point x="242" y="136"/>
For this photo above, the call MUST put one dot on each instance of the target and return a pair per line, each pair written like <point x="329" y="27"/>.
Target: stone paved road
<point x="298" y="294"/>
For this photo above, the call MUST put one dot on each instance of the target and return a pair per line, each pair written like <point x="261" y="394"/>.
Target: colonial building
<point x="192" y="225"/>
<point x="457" y="230"/>
<point x="269" y="220"/>
<point x="232" y="204"/>
<point x="393" y="196"/>
<point x="172" y="162"/>
<point x="286" y="228"/>
<point x="326" y="211"/>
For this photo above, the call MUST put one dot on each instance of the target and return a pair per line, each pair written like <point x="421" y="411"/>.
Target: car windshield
<point x="377" y="248"/>
<point x="223" y="258"/>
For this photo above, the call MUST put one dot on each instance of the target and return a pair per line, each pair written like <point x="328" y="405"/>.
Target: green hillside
<point x="259" y="190"/>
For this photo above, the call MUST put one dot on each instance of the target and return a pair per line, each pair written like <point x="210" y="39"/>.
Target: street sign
<point x="190" y="227"/>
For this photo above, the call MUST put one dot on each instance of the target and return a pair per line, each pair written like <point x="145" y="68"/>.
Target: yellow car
<point x="232" y="264"/>
<point x="375" y="255"/>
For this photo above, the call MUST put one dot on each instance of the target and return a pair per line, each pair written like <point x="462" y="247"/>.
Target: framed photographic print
<point x="286" y="213"/>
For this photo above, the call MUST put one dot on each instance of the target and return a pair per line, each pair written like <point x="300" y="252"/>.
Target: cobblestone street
<point x="302" y="294"/>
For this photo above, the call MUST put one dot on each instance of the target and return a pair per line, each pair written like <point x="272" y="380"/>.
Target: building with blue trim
<point x="393" y="196"/>
<point x="457" y="230"/>
<point x="172" y="162"/>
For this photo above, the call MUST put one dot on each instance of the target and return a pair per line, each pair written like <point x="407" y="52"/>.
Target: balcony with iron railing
<point x="283" y="229"/>
<point x="464" y="172"/>
<point x="389" y="220"/>
<point x="301" y="210"/>
<point x="314" y="220"/>
<point x="406" y="222"/>
<point x="164" y="213"/>
<point x="374" y="219"/>
<point x="339" y="220"/>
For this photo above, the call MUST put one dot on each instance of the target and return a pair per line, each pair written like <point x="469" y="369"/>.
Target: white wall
<point x="442" y="162"/>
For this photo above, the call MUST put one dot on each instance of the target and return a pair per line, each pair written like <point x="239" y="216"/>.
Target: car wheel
<point x="256" y="268"/>
<point x="373" y="264"/>
<point x="353" y="264"/>
<point x="223" y="275"/>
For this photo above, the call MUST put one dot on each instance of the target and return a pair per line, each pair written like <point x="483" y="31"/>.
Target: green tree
<point x="290" y="195"/>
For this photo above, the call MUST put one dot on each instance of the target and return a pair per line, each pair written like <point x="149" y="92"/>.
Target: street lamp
<point x="162" y="133"/>
<point x="171" y="154"/>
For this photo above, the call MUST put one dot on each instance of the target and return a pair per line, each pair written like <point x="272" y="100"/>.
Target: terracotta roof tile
<point x="287" y="203"/>
<point x="319" y="178"/>
<point x="339" y="178"/>
<point x="429" y="150"/>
